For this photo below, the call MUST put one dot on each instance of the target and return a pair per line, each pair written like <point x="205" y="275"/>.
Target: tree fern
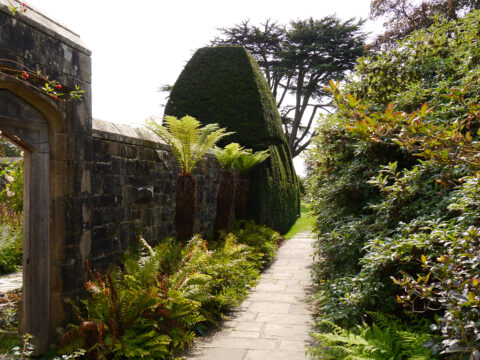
<point x="187" y="140"/>
<point x="188" y="143"/>
<point x="246" y="161"/>
<point x="228" y="155"/>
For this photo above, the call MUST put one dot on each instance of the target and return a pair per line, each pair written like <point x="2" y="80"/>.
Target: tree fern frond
<point x="246" y="161"/>
<point x="228" y="155"/>
<point x="187" y="139"/>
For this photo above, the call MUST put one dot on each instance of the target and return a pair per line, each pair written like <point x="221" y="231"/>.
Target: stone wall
<point x="89" y="190"/>
<point x="57" y="139"/>
<point x="133" y="191"/>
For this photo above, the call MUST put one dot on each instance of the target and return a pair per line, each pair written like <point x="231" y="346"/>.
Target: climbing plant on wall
<point x="32" y="78"/>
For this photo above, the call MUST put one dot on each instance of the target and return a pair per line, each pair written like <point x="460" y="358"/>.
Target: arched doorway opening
<point x="26" y="120"/>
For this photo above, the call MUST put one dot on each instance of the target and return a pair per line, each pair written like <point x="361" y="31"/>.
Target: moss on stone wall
<point x="224" y="85"/>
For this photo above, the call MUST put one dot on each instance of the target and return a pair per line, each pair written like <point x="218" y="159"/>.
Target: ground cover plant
<point x="155" y="304"/>
<point x="394" y="186"/>
<point x="304" y="223"/>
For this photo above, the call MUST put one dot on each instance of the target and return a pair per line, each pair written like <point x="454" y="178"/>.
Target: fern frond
<point x="187" y="140"/>
<point x="245" y="162"/>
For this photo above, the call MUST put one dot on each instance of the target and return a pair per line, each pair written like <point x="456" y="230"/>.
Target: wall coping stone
<point x="126" y="134"/>
<point x="47" y="25"/>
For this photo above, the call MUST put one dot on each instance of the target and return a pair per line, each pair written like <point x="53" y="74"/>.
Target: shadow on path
<point x="275" y="321"/>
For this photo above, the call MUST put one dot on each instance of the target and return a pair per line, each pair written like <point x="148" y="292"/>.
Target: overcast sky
<point x="137" y="46"/>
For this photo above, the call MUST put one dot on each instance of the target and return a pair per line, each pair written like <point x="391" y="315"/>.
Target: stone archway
<point x="25" y="121"/>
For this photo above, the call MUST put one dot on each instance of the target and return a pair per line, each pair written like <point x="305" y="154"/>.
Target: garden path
<point x="11" y="282"/>
<point x="275" y="321"/>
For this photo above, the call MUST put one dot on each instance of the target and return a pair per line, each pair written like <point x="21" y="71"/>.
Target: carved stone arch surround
<point x="31" y="121"/>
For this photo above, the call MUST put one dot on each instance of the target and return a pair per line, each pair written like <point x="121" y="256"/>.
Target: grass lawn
<point x="304" y="223"/>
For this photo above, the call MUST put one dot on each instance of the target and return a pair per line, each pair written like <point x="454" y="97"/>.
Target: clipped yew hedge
<point x="224" y="85"/>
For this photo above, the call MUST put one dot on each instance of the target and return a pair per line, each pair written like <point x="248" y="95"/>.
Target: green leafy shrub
<point x="382" y="213"/>
<point x="450" y="281"/>
<point x="11" y="239"/>
<point x="13" y="191"/>
<point x="387" y="338"/>
<point x="263" y="240"/>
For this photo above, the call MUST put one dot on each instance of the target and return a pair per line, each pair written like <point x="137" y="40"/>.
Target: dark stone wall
<point x="133" y="191"/>
<point x="35" y="42"/>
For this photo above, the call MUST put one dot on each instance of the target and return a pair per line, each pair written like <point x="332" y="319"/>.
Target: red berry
<point x="25" y="75"/>
<point x="59" y="86"/>
<point x="55" y="97"/>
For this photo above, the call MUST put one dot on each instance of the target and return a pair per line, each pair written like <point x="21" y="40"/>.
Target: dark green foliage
<point x="387" y="338"/>
<point x="224" y="85"/>
<point x="299" y="59"/>
<point x="381" y="213"/>
<point x="11" y="239"/>
<point x="11" y="176"/>
<point x="274" y="198"/>
<point x="261" y="238"/>
<point x="7" y="149"/>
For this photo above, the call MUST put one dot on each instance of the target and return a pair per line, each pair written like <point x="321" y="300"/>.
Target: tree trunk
<point x="225" y="196"/>
<point x="186" y="192"/>
<point x="241" y="196"/>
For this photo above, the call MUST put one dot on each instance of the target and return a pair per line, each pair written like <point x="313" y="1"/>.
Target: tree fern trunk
<point x="186" y="193"/>
<point x="241" y="196"/>
<point x="225" y="196"/>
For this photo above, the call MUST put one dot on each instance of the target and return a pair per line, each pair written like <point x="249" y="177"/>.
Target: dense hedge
<point x="224" y="85"/>
<point x="394" y="185"/>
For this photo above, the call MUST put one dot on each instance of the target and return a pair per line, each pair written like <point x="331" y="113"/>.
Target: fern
<point x="227" y="156"/>
<point x="187" y="140"/>
<point x="246" y="161"/>
<point x="152" y="307"/>
<point x="386" y="339"/>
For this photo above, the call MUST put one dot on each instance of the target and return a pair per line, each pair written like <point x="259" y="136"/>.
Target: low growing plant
<point x="387" y="338"/>
<point x="153" y="307"/>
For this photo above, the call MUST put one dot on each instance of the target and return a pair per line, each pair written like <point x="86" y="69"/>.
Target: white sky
<point x="137" y="46"/>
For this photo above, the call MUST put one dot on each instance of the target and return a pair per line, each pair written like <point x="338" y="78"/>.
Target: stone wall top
<point x="126" y="134"/>
<point x="46" y="24"/>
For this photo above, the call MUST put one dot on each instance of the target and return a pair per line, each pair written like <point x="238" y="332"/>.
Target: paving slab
<point x="11" y="282"/>
<point x="275" y="322"/>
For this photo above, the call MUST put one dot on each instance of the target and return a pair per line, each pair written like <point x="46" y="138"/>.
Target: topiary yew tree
<point x="224" y="85"/>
